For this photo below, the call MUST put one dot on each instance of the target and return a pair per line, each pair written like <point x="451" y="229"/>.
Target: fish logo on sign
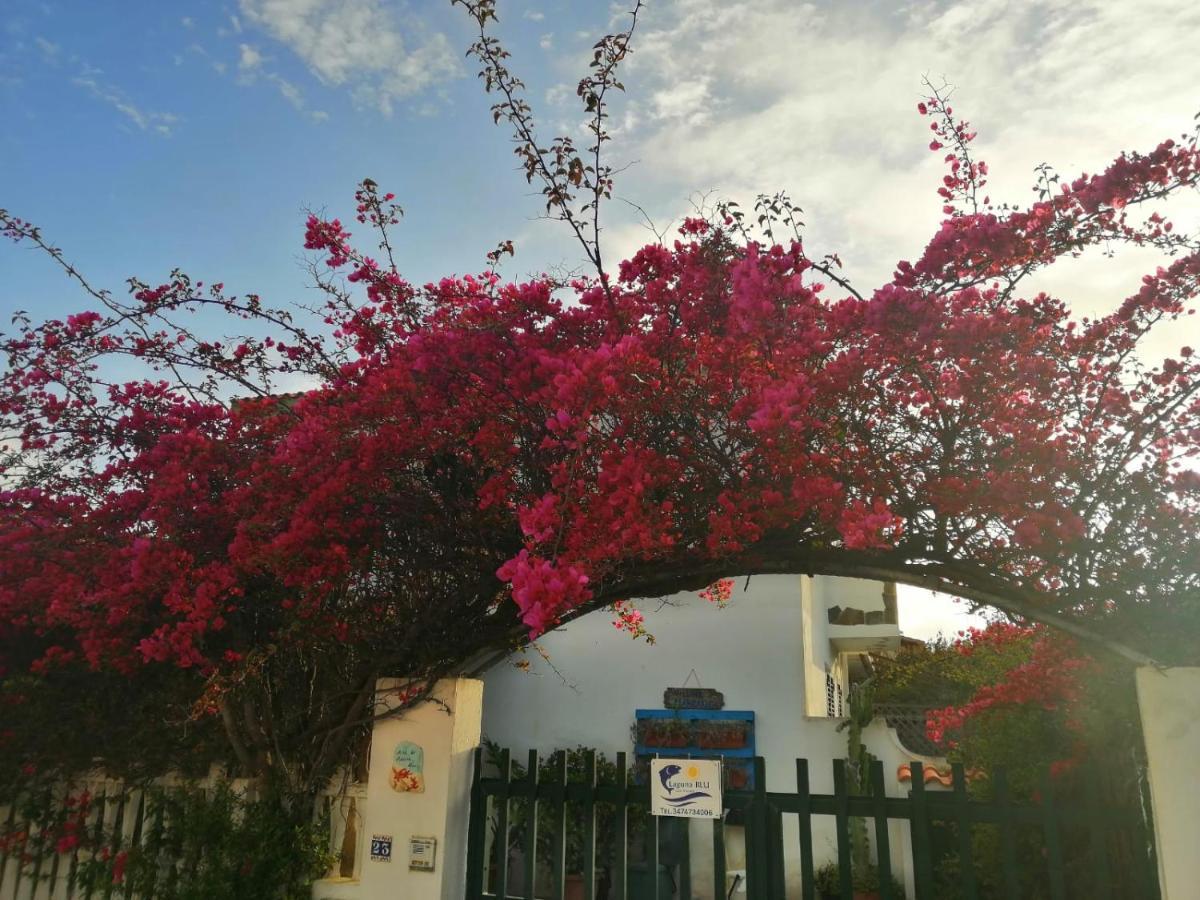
<point x="691" y="773"/>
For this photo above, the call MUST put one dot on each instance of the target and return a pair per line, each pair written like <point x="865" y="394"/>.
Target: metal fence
<point x="121" y="817"/>
<point x="1084" y="848"/>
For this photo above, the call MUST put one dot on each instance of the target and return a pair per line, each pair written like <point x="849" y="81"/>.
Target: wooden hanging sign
<point x="693" y="698"/>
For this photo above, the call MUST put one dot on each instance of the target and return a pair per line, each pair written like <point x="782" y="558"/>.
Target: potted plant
<point x="664" y="733"/>
<point x="865" y="882"/>
<point x="721" y="735"/>
<point x="737" y="777"/>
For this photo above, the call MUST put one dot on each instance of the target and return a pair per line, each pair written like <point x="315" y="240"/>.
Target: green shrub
<point x="827" y="880"/>
<point x="200" y="844"/>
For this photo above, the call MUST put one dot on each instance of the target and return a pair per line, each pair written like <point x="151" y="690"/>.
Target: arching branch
<point x="955" y="579"/>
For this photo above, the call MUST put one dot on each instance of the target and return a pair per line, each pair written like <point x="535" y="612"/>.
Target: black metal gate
<point x="577" y="836"/>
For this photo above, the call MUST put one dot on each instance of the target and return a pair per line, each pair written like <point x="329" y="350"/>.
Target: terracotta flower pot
<point x="663" y="735"/>
<point x="573" y="888"/>
<point x="726" y="737"/>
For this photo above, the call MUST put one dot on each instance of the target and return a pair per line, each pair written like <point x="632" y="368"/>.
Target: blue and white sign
<point x="381" y="847"/>
<point x="686" y="787"/>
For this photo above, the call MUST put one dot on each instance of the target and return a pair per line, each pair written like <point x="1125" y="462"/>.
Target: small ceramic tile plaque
<point x="408" y="768"/>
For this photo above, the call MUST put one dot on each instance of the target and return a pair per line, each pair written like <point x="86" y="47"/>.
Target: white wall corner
<point x="1169" y="701"/>
<point x="446" y="728"/>
<point x="812" y="619"/>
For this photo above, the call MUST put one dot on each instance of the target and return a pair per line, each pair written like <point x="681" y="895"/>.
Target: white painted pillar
<point x="1170" y="708"/>
<point x="446" y="728"/>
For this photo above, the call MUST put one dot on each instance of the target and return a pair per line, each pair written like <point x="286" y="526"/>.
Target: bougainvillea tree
<point x="1031" y="702"/>
<point x="1020" y="692"/>
<point x="475" y="461"/>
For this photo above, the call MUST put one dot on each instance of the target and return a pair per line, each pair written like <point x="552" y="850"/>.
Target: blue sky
<point x="146" y="135"/>
<point x="195" y="134"/>
<point x="190" y="135"/>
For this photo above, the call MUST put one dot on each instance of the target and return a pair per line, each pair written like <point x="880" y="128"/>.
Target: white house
<point x="782" y="648"/>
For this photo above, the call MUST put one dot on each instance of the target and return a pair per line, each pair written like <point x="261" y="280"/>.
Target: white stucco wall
<point x="749" y="651"/>
<point x="1170" y="708"/>
<point x="763" y="651"/>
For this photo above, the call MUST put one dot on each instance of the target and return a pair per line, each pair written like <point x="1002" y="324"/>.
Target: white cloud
<point x="235" y="27"/>
<point x="252" y="68"/>
<point x="290" y="92"/>
<point x="533" y="15"/>
<point x="157" y="122"/>
<point x="546" y="42"/>
<point x="763" y="95"/>
<point x="249" y="59"/>
<point x="358" y="44"/>
<point x="187" y="22"/>
<point x="687" y="102"/>
<point x="293" y="95"/>
<point x="50" y="51"/>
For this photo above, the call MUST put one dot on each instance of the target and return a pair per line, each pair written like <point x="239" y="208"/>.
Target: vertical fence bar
<point x="757" y="867"/>
<point x="808" y="889"/>
<point x="154" y="844"/>
<point x="176" y="848"/>
<point x="500" y="888"/>
<point x="8" y="830"/>
<point x="653" y="857"/>
<point x="558" y="855"/>
<point x="56" y="859"/>
<point x="194" y="857"/>
<point x="73" y="870"/>
<point x="922" y="858"/>
<point x="620" y="837"/>
<point x="883" y="846"/>
<point x="1054" y="860"/>
<point x="97" y="836"/>
<point x="589" y="826"/>
<point x="685" y="865"/>
<point x="43" y="813"/>
<point x="1008" y="843"/>
<point x="1097" y="833"/>
<point x="20" y="869"/>
<point x="476" y="831"/>
<point x="718" y="836"/>
<point x="531" y="826"/>
<point x="962" y="810"/>
<point x="135" y="841"/>
<point x="115" y="844"/>
<point x="774" y="850"/>
<point x="842" y="826"/>
<point x="750" y="850"/>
